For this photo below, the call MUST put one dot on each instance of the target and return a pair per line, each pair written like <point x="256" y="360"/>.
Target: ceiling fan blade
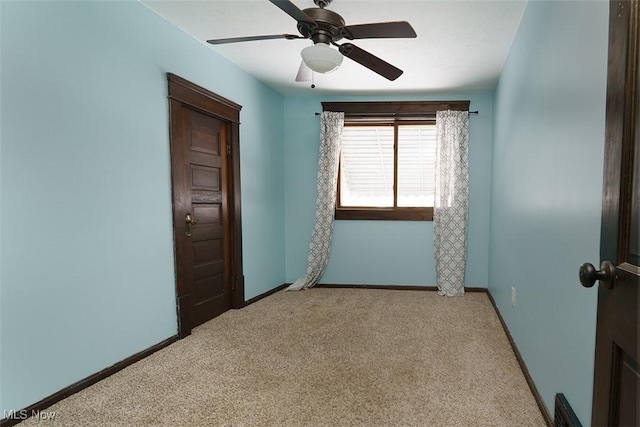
<point x="254" y="38"/>
<point x="304" y="73"/>
<point x="370" y="61"/>
<point x="293" y="11"/>
<point x="397" y="29"/>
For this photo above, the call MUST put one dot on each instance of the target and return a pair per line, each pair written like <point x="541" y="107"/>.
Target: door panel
<point x="626" y="380"/>
<point x="616" y="397"/>
<point x="210" y="244"/>
<point x="205" y="178"/>
<point x="212" y="283"/>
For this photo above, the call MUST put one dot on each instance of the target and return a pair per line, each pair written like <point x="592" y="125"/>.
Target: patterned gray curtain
<point x="451" y="210"/>
<point x="331" y="125"/>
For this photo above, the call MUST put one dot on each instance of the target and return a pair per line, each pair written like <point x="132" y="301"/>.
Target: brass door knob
<point x="190" y="221"/>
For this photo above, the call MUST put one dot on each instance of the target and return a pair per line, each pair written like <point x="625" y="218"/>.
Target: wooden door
<point x="203" y="207"/>
<point x="616" y="394"/>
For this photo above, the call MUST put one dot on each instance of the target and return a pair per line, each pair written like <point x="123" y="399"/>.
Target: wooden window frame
<point x="386" y="113"/>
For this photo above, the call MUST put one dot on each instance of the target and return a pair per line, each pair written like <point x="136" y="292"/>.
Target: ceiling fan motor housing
<point x="328" y="28"/>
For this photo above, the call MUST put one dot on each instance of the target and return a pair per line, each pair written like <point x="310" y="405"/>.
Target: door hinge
<point x="228" y="149"/>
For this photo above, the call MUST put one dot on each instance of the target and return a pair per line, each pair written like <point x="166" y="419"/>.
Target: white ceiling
<point x="461" y="44"/>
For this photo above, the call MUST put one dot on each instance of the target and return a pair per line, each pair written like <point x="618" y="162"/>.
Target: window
<point x="387" y="162"/>
<point x="374" y="174"/>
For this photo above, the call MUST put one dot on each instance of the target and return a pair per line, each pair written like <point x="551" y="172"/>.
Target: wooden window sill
<point x="386" y="214"/>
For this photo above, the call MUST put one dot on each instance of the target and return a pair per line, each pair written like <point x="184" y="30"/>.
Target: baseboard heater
<point x="563" y="414"/>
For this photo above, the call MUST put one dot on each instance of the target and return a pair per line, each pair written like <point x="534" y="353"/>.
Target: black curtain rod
<point x="401" y="115"/>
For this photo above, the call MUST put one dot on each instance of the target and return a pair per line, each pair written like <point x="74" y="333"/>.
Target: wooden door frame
<point x="618" y="138"/>
<point x="624" y="23"/>
<point x="199" y="98"/>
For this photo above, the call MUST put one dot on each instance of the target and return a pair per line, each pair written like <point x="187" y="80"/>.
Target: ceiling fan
<point x="325" y="28"/>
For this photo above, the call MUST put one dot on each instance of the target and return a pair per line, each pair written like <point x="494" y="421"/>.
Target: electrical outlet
<point x="513" y="296"/>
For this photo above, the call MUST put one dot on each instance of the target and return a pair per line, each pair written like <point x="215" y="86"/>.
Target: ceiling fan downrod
<point x="322" y="3"/>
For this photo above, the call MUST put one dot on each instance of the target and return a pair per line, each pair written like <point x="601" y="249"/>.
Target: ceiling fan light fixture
<point x="321" y="58"/>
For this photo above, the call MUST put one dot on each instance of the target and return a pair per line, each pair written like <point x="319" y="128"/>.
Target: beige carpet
<point x="323" y="357"/>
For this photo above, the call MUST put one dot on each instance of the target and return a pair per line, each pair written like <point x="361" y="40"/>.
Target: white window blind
<point x="367" y="161"/>
<point x="416" y="165"/>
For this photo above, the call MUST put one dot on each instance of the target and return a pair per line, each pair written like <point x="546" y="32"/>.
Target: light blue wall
<point x="547" y="191"/>
<point x="380" y="252"/>
<point x="87" y="269"/>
